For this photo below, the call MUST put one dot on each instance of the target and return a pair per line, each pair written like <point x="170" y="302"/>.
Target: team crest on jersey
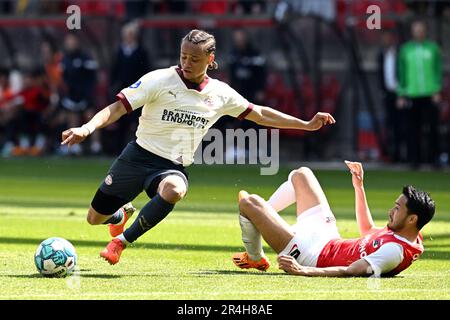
<point x="209" y="101"/>
<point x="329" y="219"/>
<point x="108" y="180"/>
<point x="377" y="242"/>
<point x="136" y="84"/>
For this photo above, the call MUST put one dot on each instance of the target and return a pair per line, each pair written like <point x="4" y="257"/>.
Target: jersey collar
<point x="191" y="85"/>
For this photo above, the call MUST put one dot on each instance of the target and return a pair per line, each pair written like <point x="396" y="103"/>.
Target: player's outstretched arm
<point x="101" y="119"/>
<point x="359" y="268"/>
<point x="363" y="215"/>
<point x="269" y="117"/>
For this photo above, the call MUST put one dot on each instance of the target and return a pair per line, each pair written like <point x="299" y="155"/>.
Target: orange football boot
<point x="243" y="261"/>
<point x="116" y="229"/>
<point x="113" y="251"/>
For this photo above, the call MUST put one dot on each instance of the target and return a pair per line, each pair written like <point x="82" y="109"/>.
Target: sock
<point x="122" y="238"/>
<point x="149" y="216"/>
<point x="251" y="238"/>
<point x="284" y="196"/>
<point x="116" y="218"/>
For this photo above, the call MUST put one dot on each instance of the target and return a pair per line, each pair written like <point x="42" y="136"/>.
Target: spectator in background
<point x="51" y="63"/>
<point x="247" y="68"/>
<point x="394" y="118"/>
<point x="247" y="75"/>
<point x="25" y="128"/>
<point x="11" y="83"/>
<point x="6" y="95"/>
<point x="131" y="63"/>
<point x="51" y="60"/>
<point x="5" y="89"/>
<point x="420" y="83"/>
<point x="79" y="75"/>
<point x="250" y="7"/>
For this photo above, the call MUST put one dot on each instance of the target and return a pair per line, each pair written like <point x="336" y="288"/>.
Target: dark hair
<point x="419" y="203"/>
<point x="4" y="71"/>
<point x="51" y="43"/>
<point x="202" y="37"/>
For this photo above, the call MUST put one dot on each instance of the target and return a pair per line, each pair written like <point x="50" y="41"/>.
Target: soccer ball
<point x="55" y="257"/>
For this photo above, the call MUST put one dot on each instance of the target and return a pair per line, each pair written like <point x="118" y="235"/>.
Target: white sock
<point x="251" y="238"/>
<point x="284" y="196"/>
<point x="122" y="238"/>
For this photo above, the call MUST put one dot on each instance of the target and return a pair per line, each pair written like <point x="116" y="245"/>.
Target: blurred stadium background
<point x="297" y="56"/>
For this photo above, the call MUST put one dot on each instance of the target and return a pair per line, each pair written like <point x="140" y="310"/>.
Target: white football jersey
<point x="175" y="118"/>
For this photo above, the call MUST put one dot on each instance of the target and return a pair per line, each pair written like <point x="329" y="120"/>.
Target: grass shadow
<point x="37" y="275"/>
<point x="101" y="276"/>
<point x="428" y="254"/>
<point x="238" y="272"/>
<point x="156" y="246"/>
<point x="23" y="276"/>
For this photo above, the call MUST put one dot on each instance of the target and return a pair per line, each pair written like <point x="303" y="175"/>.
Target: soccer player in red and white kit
<point x="314" y="247"/>
<point x="180" y="104"/>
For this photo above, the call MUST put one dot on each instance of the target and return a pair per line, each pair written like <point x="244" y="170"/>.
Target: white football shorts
<point x="314" y="229"/>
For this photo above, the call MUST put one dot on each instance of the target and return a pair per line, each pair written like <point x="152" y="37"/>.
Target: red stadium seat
<point x="101" y="8"/>
<point x="283" y="98"/>
<point x="215" y="7"/>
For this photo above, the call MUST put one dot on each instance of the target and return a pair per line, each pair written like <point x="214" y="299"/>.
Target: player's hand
<point x="74" y="135"/>
<point x="357" y="172"/>
<point x="319" y="120"/>
<point x="290" y="265"/>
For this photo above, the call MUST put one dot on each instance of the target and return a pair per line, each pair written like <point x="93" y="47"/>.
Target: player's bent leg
<point x="104" y="209"/>
<point x="126" y="212"/>
<point x="275" y="231"/>
<point x="95" y="218"/>
<point x="243" y="261"/>
<point x="284" y="196"/>
<point x="172" y="188"/>
<point x="308" y="191"/>
<point x="253" y="256"/>
<point x="113" y="251"/>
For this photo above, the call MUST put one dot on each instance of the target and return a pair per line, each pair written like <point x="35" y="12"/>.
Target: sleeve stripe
<point x="125" y="102"/>
<point x="246" y="112"/>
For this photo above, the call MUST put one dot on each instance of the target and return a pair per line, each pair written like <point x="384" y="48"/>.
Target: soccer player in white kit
<point x="180" y="104"/>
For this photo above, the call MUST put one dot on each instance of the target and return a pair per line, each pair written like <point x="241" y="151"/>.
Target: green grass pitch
<point x="188" y="255"/>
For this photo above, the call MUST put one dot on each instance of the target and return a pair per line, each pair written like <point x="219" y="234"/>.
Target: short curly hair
<point x="206" y="39"/>
<point x="419" y="203"/>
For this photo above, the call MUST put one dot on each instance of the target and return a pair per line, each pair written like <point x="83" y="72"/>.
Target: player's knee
<point x="93" y="218"/>
<point x="173" y="193"/>
<point x="248" y="203"/>
<point x="301" y="174"/>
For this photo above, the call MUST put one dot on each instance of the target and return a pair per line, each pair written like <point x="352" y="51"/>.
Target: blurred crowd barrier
<point x="297" y="56"/>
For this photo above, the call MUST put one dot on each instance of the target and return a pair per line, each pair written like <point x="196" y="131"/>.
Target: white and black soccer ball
<point x="55" y="257"/>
